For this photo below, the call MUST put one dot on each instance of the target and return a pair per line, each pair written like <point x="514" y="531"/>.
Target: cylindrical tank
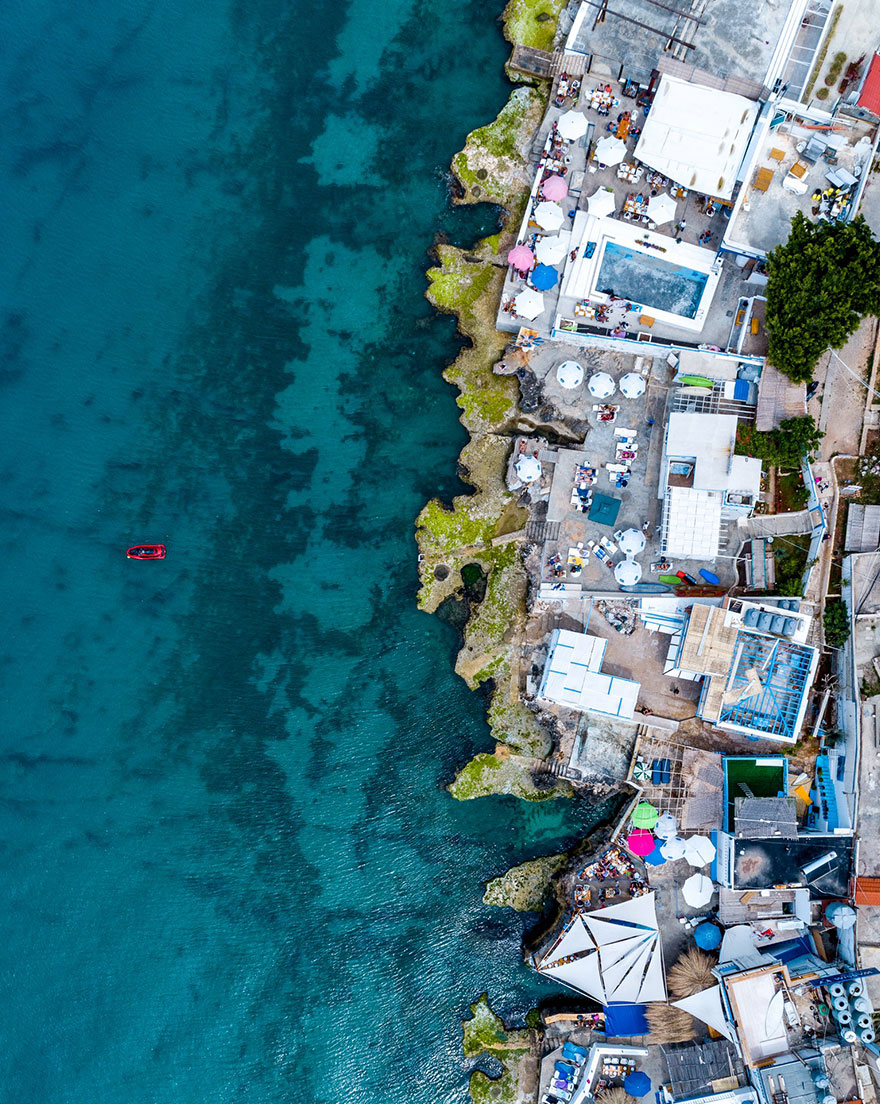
<point x="829" y="1099"/>
<point x="867" y="1036"/>
<point x="848" y="1036"/>
<point x="863" y="1021"/>
<point x="841" y="1003"/>
<point x="862" y="1004"/>
<point x="855" y="988"/>
<point x="837" y="990"/>
<point x="843" y="1016"/>
<point x="820" y="1079"/>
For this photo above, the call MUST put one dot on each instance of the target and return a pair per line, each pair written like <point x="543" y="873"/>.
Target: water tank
<point x="863" y="1021"/>
<point x="848" y="1036"/>
<point x="837" y="990"/>
<point x="777" y="623"/>
<point x="820" y="1078"/>
<point x="867" y="1036"/>
<point x="790" y="627"/>
<point x="862" y="1004"/>
<point x="841" y="1004"/>
<point x="765" y="621"/>
<point x="843" y="1017"/>
<point x="855" y="988"/>
<point x="751" y="617"/>
<point x="829" y="1099"/>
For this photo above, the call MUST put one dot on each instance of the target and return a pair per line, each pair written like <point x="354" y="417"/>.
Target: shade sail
<point x="570" y="374"/>
<point x="601" y="202"/>
<point x="572" y="125"/>
<point x="697" y="890"/>
<point x="632" y="542"/>
<point x="549" y="216"/>
<point x="610" y="151"/>
<point x="554" y="187"/>
<point x="645" y="815"/>
<point x="601" y="385"/>
<point x="632" y="385"/>
<point x="661" y="208"/>
<point x="544" y="277"/>
<point x="529" y="304"/>
<point x="700" y="850"/>
<point x="551" y="249"/>
<point x="574" y="939"/>
<point x="521" y="257"/>
<point x="706" y="1006"/>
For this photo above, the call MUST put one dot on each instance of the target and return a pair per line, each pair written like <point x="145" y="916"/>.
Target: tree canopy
<point x="821" y="282"/>
<point x="784" y="447"/>
<point x="836" y="624"/>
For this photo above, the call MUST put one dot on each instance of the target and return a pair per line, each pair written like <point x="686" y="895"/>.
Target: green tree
<point x="783" y="447"/>
<point x="836" y="624"/>
<point x="821" y="282"/>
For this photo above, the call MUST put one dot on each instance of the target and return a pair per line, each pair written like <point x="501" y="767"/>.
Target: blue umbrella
<point x="656" y="858"/>
<point x="637" y="1084"/>
<point x="708" y="936"/>
<point x="544" y="277"/>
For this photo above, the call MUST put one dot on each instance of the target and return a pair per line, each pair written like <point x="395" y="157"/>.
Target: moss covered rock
<point x="485" y="1033"/>
<point x="527" y="886"/>
<point x="532" y="22"/>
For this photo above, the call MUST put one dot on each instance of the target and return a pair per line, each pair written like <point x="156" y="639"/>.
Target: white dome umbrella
<point x="632" y="542"/>
<point x="666" y="827"/>
<point x="550" y="250"/>
<point x="528" y="468"/>
<point x="627" y="572"/>
<point x="661" y="208"/>
<point x="529" y="304"/>
<point x="572" y="125"/>
<point x="610" y="151"/>
<point x="632" y="385"/>
<point x="673" y="849"/>
<point x="570" y="374"/>
<point x="700" y="850"/>
<point x="697" y="890"/>
<point x="601" y="385"/>
<point x="601" y="202"/>
<point x="548" y="215"/>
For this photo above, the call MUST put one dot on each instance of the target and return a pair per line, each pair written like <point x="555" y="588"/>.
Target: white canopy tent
<point x="632" y="385"/>
<point x="632" y="542"/>
<point x="610" y="150"/>
<point x="661" y="208"/>
<point x="570" y="374"/>
<point x="700" y="850"/>
<point x="572" y="125"/>
<point x="529" y="304"/>
<point x="601" y="385"/>
<point x="666" y="826"/>
<point x="552" y="248"/>
<point x="673" y="849"/>
<point x="548" y="215"/>
<point x="615" y="954"/>
<point x="707" y="1006"/>
<point x="627" y="572"/>
<point x="528" y="468"/>
<point x="601" y="202"/>
<point x="697" y="890"/>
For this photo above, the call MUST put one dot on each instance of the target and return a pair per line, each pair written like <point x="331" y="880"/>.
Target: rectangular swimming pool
<point x="650" y="281"/>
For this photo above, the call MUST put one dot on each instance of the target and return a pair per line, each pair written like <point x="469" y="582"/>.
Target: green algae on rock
<point x="500" y="773"/>
<point x="485" y="1033"/>
<point x="532" y="22"/>
<point x="493" y="163"/>
<point x="526" y="887"/>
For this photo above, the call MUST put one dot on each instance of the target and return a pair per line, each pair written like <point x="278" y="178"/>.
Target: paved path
<point x="775" y="525"/>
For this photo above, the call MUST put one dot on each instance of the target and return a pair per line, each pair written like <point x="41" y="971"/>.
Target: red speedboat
<point x="146" y="552"/>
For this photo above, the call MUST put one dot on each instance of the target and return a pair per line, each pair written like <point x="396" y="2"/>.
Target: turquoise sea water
<point x="230" y="871"/>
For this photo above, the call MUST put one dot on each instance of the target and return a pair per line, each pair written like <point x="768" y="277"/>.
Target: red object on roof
<point x="869" y="97"/>
<point x="867" y="891"/>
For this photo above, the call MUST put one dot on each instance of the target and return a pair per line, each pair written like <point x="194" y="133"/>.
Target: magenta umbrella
<point x="640" y="842"/>
<point x="521" y="257"/>
<point x="554" y="187"/>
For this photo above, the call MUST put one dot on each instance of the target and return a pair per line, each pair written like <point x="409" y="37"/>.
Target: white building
<point x="573" y="678"/>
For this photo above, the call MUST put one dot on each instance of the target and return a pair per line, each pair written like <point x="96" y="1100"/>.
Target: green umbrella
<point x="645" y="815"/>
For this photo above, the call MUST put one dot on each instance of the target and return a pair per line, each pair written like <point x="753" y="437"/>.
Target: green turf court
<point x="764" y="776"/>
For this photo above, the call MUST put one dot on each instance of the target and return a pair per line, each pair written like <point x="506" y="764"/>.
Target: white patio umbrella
<point x="572" y="125"/>
<point x="697" y="890"/>
<point x="610" y="150"/>
<point x="570" y="374"/>
<point x="661" y="208"/>
<point x="632" y="542"/>
<point x="601" y="385"/>
<point x="528" y="468"/>
<point x="700" y="850"/>
<point x="674" y="848"/>
<point x="632" y="385"/>
<point x="529" y="304"/>
<point x="666" y="827"/>
<point x="551" y="249"/>
<point x="627" y="572"/>
<point x="549" y="215"/>
<point x="601" y="202"/>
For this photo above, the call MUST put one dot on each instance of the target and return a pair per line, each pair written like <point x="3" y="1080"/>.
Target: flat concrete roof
<point x="758" y="864"/>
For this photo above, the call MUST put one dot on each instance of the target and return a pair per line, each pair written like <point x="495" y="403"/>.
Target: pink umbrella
<point x="521" y="257"/>
<point x="554" y="187"/>
<point x="640" y="842"/>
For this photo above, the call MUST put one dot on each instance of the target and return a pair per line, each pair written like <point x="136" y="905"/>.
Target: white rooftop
<point x="692" y="523"/>
<point x="572" y="677"/>
<point x="697" y="136"/>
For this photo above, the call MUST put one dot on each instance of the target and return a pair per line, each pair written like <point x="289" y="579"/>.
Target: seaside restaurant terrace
<point x="629" y="250"/>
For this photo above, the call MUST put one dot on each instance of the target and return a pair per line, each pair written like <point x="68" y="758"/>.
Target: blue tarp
<point x="569" y="1049"/>
<point x="624" y="1020"/>
<point x="741" y="390"/>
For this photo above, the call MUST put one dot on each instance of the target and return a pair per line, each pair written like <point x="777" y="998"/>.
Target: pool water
<point x="650" y="281"/>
